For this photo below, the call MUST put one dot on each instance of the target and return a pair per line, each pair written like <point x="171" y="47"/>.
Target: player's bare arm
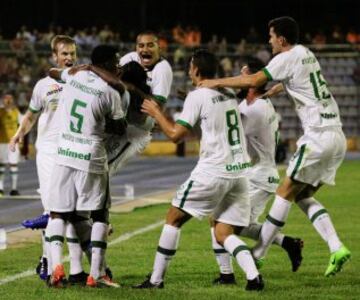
<point x="55" y="73"/>
<point x="241" y="81"/>
<point x="275" y="90"/>
<point x="173" y="131"/>
<point x="26" y="124"/>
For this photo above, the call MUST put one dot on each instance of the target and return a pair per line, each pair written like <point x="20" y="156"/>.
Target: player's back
<point x="222" y="146"/>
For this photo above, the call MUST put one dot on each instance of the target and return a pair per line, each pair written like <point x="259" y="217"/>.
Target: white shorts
<point x="227" y="200"/>
<point x="258" y="201"/>
<point x="73" y="189"/>
<point x="7" y="156"/>
<point x="319" y="155"/>
<point x="45" y="163"/>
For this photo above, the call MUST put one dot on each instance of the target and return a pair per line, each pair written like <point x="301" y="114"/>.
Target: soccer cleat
<point x="43" y="270"/>
<point x="39" y="222"/>
<point x="57" y="278"/>
<point x="337" y="259"/>
<point x="256" y="284"/>
<point x="14" y="193"/>
<point x="103" y="281"/>
<point x="225" y="279"/>
<point x="108" y="273"/>
<point x="148" y="285"/>
<point x="79" y="278"/>
<point x="293" y="247"/>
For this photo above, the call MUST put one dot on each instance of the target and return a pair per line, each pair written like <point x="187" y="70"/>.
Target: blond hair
<point x="57" y="39"/>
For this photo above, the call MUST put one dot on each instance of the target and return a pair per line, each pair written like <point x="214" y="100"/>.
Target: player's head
<point x="8" y="100"/>
<point x="135" y="74"/>
<point x="203" y="65"/>
<point x="283" y="31"/>
<point x="105" y="56"/>
<point x="63" y="50"/>
<point x="147" y="46"/>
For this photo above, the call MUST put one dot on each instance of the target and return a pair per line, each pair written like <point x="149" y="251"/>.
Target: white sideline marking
<point x="120" y="239"/>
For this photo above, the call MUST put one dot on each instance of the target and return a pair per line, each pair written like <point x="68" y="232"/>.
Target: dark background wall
<point x="229" y="18"/>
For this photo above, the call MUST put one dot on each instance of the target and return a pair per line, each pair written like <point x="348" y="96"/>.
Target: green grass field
<point x="193" y="268"/>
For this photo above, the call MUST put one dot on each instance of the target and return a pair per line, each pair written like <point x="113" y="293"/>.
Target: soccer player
<point x="43" y="105"/>
<point x="321" y="149"/>
<point x="79" y="180"/>
<point x="9" y="122"/>
<point x="217" y="185"/>
<point x="261" y="127"/>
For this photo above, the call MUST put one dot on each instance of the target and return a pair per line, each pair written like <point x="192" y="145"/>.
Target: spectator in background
<point x="337" y="36"/>
<point x="253" y="36"/>
<point x="352" y="37"/>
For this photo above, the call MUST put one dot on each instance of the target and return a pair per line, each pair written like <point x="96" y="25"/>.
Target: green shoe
<point x="337" y="259"/>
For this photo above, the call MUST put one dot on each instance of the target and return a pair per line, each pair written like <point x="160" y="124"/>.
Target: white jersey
<point x="300" y="73"/>
<point x="85" y="103"/>
<point x="159" y="78"/>
<point x="222" y="145"/>
<point x="45" y="100"/>
<point x="261" y="126"/>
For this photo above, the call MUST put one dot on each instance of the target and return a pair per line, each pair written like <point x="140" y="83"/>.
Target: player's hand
<point x="73" y="70"/>
<point x="245" y="70"/>
<point x="208" y="83"/>
<point x="16" y="139"/>
<point x="150" y="107"/>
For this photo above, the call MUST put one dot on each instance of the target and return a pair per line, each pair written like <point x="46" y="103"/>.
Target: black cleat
<point x="148" y="285"/>
<point x="293" y="247"/>
<point x="225" y="279"/>
<point x="14" y="193"/>
<point x="257" y="284"/>
<point x="108" y="273"/>
<point x="78" y="279"/>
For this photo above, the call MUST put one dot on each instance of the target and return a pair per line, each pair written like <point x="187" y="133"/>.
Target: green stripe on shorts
<point x="298" y="163"/>
<point x="186" y="193"/>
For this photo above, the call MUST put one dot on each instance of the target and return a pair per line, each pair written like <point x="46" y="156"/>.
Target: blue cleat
<point x="39" y="222"/>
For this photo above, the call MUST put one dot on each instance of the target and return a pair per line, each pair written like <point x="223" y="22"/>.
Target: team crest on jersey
<point x="54" y="89"/>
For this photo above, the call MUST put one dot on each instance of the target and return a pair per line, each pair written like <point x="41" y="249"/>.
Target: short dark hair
<point x="286" y="27"/>
<point x="103" y="54"/>
<point x="147" y="32"/>
<point x="206" y="62"/>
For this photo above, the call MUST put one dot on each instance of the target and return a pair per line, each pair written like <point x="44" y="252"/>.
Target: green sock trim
<point x="239" y="249"/>
<point x="57" y="238"/>
<point x="218" y="251"/>
<point x="72" y="240"/>
<point x="47" y="239"/>
<point x="99" y="244"/>
<point x="274" y="221"/>
<point x="166" y="251"/>
<point x="317" y="214"/>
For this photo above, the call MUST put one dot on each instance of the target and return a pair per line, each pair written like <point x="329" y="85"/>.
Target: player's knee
<point x="177" y="217"/>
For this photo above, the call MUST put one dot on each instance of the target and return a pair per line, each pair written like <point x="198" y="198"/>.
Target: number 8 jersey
<point x="222" y="146"/>
<point x="300" y="73"/>
<point x="85" y="103"/>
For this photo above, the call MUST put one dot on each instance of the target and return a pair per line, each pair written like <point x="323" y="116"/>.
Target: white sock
<point x="242" y="255"/>
<point x="56" y="231"/>
<point x="75" y="251"/>
<point x="168" y="243"/>
<point x="83" y="231"/>
<point x="271" y="227"/>
<point x="14" y="177"/>
<point x="253" y="232"/>
<point x="2" y="174"/>
<point x="48" y="247"/>
<point x="222" y="256"/>
<point x="321" y="221"/>
<point x="99" y="244"/>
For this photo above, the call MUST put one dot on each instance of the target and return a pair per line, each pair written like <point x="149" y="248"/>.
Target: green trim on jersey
<point x="302" y="150"/>
<point x="317" y="214"/>
<point x="183" y="123"/>
<point x="186" y="193"/>
<point x="33" y="110"/>
<point x="160" y="99"/>
<point x="267" y="74"/>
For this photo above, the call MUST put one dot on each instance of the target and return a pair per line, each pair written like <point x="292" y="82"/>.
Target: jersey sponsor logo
<point x="238" y="166"/>
<point x="309" y="60"/>
<point x="67" y="152"/>
<point x="54" y="89"/>
<point x="328" y="115"/>
<point x="273" y="179"/>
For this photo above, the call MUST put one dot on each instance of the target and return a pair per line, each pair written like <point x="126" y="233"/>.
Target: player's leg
<point x="13" y="166"/>
<point x="3" y="163"/>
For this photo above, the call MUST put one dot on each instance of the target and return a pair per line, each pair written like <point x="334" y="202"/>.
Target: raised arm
<point x="26" y="124"/>
<point x="173" y="131"/>
<point x="276" y="89"/>
<point x="110" y="78"/>
<point x="55" y="73"/>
